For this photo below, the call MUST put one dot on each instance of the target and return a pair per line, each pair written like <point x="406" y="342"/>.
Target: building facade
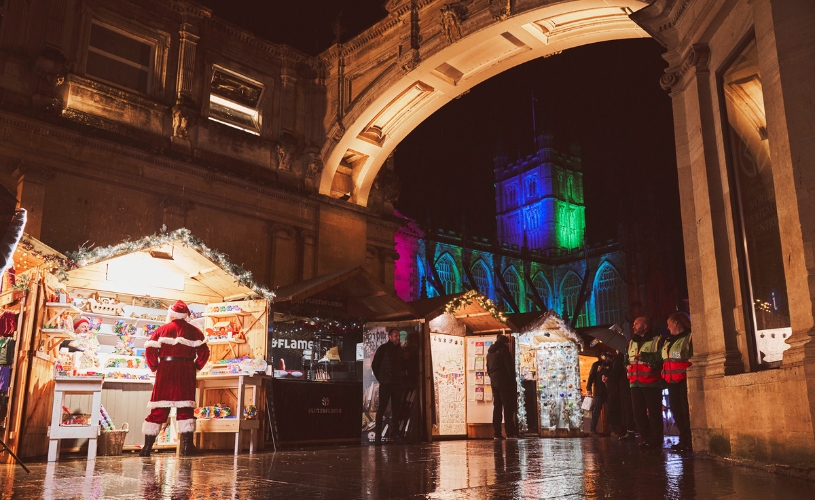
<point x="539" y="261"/>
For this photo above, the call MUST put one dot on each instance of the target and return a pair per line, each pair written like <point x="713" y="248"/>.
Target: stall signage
<point x="292" y="344"/>
<point x="325" y="303"/>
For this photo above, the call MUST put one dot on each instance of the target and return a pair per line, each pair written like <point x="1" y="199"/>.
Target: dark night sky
<point x="606" y="97"/>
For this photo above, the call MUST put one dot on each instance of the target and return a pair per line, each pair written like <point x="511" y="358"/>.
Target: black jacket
<point x="594" y="383"/>
<point x="501" y="365"/>
<point x="388" y="364"/>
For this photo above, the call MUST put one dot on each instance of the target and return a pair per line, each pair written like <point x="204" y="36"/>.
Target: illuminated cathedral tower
<point x="541" y="197"/>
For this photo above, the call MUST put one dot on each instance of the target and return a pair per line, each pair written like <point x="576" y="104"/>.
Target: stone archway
<point x="393" y="76"/>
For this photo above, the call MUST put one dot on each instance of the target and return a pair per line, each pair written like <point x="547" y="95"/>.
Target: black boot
<point x="188" y="449"/>
<point x="148" y="446"/>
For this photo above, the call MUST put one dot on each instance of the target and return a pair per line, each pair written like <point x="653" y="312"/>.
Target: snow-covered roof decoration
<point x="550" y="327"/>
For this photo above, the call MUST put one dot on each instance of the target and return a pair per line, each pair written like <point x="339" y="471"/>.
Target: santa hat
<point x="179" y="310"/>
<point x="79" y="322"/>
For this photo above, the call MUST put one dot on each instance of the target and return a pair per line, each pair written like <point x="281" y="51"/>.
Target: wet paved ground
<point x="530" y="468"/>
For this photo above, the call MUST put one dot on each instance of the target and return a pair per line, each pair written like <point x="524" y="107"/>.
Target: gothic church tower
<point x="541" y="197"/>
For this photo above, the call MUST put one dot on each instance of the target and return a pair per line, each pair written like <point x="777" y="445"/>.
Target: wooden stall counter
<point x="237" y="391"/>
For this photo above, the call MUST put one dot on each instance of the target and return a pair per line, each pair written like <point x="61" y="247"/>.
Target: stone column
<point x="31" y="191"/>
<point x="283" y="265"/>
<point x="175" y="212"/>
<point x="705" y="218"/>
<point x="185" y="111"/>
<point x="785" y="40"/>
<point x="309" y="249"/>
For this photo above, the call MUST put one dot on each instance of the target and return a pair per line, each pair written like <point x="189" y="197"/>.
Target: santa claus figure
<point x="175" y="351"/>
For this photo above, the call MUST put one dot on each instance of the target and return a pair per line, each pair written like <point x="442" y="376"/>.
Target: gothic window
<point x="119" y="58"/>
<point x="542" y="287"/>
<point x="512" y="195"/>
<point x="446" y="269"/>
<point x="234" y="100"/>
<point x="608" y="295"/>
<point x="513" y="286"/>
<point x="482" y="278"/>
<point x="570" y="189"/>
<point x="569" y="292"/>
<point x="532" y="186"/>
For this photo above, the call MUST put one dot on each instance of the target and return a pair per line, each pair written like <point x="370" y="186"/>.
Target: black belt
<point x="175" y="358"/>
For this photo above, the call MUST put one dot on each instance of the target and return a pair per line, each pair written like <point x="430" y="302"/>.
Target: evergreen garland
<point x="467" y="299"/>
<point x="87" y="256"/>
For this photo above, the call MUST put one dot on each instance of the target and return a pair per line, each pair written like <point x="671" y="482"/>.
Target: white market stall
<point x="550" y="354"/>
<point x="124" y="292"/>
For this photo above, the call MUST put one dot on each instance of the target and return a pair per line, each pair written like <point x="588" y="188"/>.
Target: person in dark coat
<point x="620" y="411"/>
<point x="596" y="387"/>
<point x="501" y="368"/>
<point x="388" y="368"/>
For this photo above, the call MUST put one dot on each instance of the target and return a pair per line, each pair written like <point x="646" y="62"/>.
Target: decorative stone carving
<point x="387" y="183"/>
<point x="315" y="164"/>
<point x="410" y="60"/>
<point x="184" y="116"/>
<point x="500" y="9"/>
<point x="50" y="67"/>
<point x="176" y="204"/>
<point x="285" y="148"/>
<point x="697" y="57"/>
<point x="452" y="15"/>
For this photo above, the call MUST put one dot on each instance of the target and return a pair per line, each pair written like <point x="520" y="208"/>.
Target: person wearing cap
<point x="501" y="368"/>
<point x="175" y="351"/>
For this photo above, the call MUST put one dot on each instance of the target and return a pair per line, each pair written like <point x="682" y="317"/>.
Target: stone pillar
<point x="309" y="249"/>
<point x="288" y="99"/>
<point x="188" y="41"/>
<point x="705" y="220"/>
<point x="283" y="266"/>
<point x="31" y="191"/>
<point x="175" y="212"/>
<point x="785" y="40"/>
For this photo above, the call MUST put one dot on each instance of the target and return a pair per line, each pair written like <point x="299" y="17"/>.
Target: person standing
<point x="676" y="353"/>
<point x="620" y="411"/>
<point x="388" y="368"/>
<point x="644" y="363"/>
<point x="410" y="409"/>
<point x="501" y="369"/>
<point x="596" y="387"/>
<point x="175" y="352"/>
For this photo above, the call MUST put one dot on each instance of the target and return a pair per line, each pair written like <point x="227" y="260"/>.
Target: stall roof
<point x="550" y="327"/>
<point x="31" y="252"/>
<point x="172" y="266"/>
<point x="473" y="315"/>
<point x="363" y="292"/>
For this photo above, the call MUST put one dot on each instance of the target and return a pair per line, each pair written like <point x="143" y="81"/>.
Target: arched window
<point x="542" y="287"/>
<point x="513" y="282"/>
<point x="532" y="186"/>
<point x="512" y="195"/>
<point x="569" y="292"/>
<point x="446" y="269"/>
<point x="608" y="299"/>
<point x="482" y="278"/>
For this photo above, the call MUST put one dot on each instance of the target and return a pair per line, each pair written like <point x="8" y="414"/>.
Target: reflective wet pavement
<point x="530" y="468"/>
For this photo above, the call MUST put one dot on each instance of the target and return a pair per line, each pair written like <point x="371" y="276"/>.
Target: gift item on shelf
<point x="250" y="412"/>
<point x="104" y="419"/>
<point x="219" y="410"/>
<point x="6" y="350"/>
<point x="8" y="323"/>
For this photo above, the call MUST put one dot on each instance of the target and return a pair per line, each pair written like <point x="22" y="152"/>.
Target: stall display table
<point x="241" y="384"/>
<point x="57" y="431"/>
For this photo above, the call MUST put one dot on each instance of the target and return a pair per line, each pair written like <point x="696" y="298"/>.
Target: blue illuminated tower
<point x="541" y="196"/>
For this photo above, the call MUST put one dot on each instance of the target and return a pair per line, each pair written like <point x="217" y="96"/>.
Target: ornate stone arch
<point x="609" y="295"/>
<point x="448" y="273"/>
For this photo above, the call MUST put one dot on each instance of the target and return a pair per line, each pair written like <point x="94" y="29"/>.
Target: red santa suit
<point x="175" y="351"/>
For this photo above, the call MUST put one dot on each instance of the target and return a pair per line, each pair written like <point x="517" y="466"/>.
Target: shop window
<point x="608" y="295"/>
<point x="513" y="286"/>
<point x="119" y="58"/>
<point x="569" y="292"/>
<point x="482" y="278"/>
<point x="751" y="175"/>
<point x="445" y="268"/>
<point x="234" y="100"/>
<point x="542" y="287"/>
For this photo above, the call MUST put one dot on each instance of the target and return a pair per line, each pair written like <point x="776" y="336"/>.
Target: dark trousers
<point x="647" y="403"/>
<point x="627" y="422"/>
<point x="596" y="408"/>
<point x="506" y="399"/>
<point x="393" y="394"/>
<point x="679" y="407"/>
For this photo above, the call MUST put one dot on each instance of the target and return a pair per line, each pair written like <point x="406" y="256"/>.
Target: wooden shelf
<point x="63" y="305"/>
<point x="225" y="314"/>
<point x="225" y="341"/>
<point x="111" y="380"/>
<point x="225" y="424"/>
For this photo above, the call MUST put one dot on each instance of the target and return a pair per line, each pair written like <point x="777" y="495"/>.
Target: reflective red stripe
<point x="674" y="371"/>
<point x="642" y="373"/>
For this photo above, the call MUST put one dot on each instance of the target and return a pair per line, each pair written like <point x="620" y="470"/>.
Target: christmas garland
<point x="467" y="299"/>
<point x="87" y="256"/>
<point x="58" y="265"/>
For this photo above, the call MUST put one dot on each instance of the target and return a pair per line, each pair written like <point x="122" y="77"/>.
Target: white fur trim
<point x="171" y="404"/>
<point x="173" y="341"/>
<point x="171" y="315"/>
<point x="150" y="428"/>
<point x="187" y="425"/>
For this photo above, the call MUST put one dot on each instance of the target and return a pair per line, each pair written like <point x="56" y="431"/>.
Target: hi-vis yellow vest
<point x="675" y="359"/>
<point x="639" y="373"/>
